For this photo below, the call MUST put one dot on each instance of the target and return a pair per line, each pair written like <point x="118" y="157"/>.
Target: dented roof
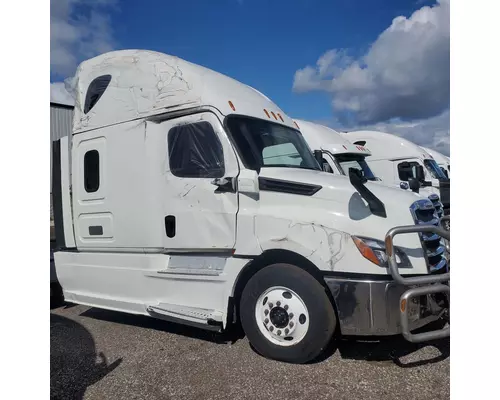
<point x="146" y="83"/>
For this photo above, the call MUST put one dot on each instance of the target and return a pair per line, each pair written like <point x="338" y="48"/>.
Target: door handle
<point x="170" y="226"/>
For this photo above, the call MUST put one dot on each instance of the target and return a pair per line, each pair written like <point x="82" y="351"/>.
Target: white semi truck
<point x="442" y="160"/>
<point x="166" y="205"/>
<point x="397" y="160"/>
<point x="339" y="154"/>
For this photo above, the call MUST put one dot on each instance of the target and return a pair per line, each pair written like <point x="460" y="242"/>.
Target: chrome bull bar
<point x="445" y="222"/>
<point x="427" y="284"/>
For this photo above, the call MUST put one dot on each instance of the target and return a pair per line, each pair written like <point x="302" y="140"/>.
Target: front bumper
<point x="371" y="307"/>
<point x="397" y="304"/>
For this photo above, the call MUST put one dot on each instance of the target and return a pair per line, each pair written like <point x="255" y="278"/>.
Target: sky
<point x="349" y="64"/>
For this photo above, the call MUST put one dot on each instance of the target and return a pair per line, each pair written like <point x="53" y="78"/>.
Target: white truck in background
<point x="397" y="160"/>
<point x="339" y="154"/>
<point x="442" y="160"/>
<point x="167" y="204"/>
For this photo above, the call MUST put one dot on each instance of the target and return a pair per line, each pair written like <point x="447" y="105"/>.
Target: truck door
<point x="199" y="216"/>
<point x="93" y="221"/>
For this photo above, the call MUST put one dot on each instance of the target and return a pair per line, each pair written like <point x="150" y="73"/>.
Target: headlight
<point x="374" y="250"/>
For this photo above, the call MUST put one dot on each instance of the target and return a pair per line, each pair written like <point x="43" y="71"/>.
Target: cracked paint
<point x="143" y="82"/>
<point x="316" y="240"/>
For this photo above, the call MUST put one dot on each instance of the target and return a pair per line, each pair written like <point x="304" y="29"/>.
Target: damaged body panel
<point x="319" y="227"/>
<point x="322" y="245"/>
<point x="197" y="153"/>
<point x="145" y="83"/>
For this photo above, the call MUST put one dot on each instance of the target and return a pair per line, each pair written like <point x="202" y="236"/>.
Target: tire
<point x="56" y="295"/>
<point x="311" y="334"/>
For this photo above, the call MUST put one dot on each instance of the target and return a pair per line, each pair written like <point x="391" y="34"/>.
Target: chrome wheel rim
<point x="282" y="316"/>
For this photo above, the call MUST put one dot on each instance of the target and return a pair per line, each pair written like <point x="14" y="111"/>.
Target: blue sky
<point x="262" y="43"/>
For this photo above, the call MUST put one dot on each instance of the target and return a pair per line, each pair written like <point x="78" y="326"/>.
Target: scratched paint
<point x="146" y="83"/>
<point x="326" y="243"/>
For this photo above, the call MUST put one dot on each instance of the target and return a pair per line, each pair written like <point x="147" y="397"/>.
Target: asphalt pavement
<point x="98" y="354"/>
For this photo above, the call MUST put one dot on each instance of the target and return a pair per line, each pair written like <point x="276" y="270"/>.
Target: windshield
<point x="263" y="144"/>
<point x="434" y="169"/>
<point x="351" y="161"/>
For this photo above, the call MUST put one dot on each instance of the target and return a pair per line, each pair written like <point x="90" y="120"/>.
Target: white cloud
<point x="59" y="94"/>
<point x="433" y="132"/>
<point x="79" y="29"/>
<point x="405" y="74"/>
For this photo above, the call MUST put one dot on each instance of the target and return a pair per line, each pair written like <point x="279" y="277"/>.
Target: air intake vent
<point x="278" y="185"/>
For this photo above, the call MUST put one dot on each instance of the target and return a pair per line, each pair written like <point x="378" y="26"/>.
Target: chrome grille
<point x="424" y="212"/>
<point x="434" y="198"/>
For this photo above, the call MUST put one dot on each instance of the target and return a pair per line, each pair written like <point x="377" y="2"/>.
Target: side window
<point x="91" y="171"/>
<point x="194" y="151"/>
<point x="407" y="170"/>
<point x="95" y="91"/>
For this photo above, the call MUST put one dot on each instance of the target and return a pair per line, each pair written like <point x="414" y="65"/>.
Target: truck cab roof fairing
<point x="439" y="157"/>
<point x="325" y="138"/>
<point x="149" y="83"/>
<point x="386" y="146"/>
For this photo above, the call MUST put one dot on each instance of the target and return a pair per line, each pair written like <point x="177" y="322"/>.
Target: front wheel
<point x="286" y="314"/>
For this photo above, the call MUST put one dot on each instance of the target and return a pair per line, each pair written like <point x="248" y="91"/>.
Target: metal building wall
<point x="61" y="120"/>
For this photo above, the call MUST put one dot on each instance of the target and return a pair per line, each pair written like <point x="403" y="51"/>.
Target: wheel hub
<point x="279" y="317"/>
<point x="282" y="316"/>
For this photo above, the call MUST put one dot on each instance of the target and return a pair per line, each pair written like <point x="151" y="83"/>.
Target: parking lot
<point x="98" y="354"/>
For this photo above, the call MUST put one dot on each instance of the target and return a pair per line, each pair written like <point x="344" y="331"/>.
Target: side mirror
<point x="404" y="185"/>
<point x="318" y="155"/>
<point x="414" y="185"/>
<point x="420" y="175"/>
<point x="248" y="182"/>
<point x="357" y="175"/>
<point x="224" y="185"/>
